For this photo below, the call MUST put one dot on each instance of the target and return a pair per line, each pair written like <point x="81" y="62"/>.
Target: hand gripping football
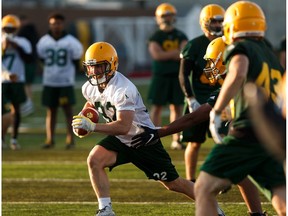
<point x="90" y="113"/>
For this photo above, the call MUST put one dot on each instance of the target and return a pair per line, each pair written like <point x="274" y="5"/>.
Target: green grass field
<point x="55" y="182"/>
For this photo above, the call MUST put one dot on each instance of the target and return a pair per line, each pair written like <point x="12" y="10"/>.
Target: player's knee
<point x="201" y="188"/>
<point x="92" y="161"/>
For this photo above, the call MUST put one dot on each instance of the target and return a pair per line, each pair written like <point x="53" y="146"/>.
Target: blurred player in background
<point x="16" y="51"/>
<point x="28" y="30"/>
<point x="240" y="153"/>
<point x="195" y="84"/>
<point x="60" y="53"/>
<point x="6" y="105"/>
<point x="164" y="47"/>
<point x="121" y="105"/>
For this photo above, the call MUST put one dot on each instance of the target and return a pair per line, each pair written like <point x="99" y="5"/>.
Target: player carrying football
<point x="121" y="105"/>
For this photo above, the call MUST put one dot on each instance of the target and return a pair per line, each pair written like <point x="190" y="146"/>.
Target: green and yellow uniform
<point x="165" y="87"/>
<point x="241" y="153"/>
<point x="199" y="86"/>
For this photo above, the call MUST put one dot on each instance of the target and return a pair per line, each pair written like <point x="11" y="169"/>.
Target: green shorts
<point x="165" y="90"/>
<point x="30" y="71"/>
<point x="14" y="92"/>
<point x="153" y="160"/>
<point x="58" y="96"/>
<point x="237" y="158"/>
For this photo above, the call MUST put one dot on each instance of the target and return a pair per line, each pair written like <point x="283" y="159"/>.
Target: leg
<point x="28" y="107"/>
<point x="68" y="111"/>
<point x="16" y="119"/>
<point x="155" y="114"/>
<point x="181" y="185"/>
<point x="51" y="116"/>
<point x="6" y="122"/>
<point x="98" y="159"/>
<point x="191" y="157"/>
<point x="175" y="113"/>
<point x="206" y="189"/>
<point x="250" y="195"/>
<point x="186" y="187"/>
<point x="279" y="200"/>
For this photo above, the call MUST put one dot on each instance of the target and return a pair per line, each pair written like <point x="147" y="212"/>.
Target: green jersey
<point x="264" y="70"/>
<point x="194" y="51"/>
<point x="168" y="41"/>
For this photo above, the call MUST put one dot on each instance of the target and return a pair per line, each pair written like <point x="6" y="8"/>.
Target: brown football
<point x="90" y="113"/>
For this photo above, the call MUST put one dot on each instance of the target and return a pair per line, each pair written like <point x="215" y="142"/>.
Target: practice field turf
<point x="38" y="182"/>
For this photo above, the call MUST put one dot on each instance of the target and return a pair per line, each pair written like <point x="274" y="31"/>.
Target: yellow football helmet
<point x="165" y="9"/>
<point x="101" y="62"/>
<point x="243" y="19"/>
<point x="10" y="21"/>
<point x="215" y="69"/>
<point x="165" y="15"/>
<point x="208" y="14"/>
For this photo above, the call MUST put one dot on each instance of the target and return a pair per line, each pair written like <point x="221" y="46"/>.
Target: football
<point x="90" y="113"/>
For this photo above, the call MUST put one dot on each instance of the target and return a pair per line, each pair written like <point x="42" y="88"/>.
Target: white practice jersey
<point x="120" y="94"/>
<point x="11" y="59"/>
<point x="58" y="55"/>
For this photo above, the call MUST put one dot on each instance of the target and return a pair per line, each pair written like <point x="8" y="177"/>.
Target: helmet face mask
<point x="97" y="73"/>
<point x="215" y="26"/>
<point x="167" y="19"/>
<point x="211" y="18"/>
<point x="10" y="25"/>
<point x="215" y="69"/>
<point x="101" y="62"/>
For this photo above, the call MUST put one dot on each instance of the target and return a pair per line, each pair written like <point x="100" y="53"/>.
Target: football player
<point x="119" y="102"/>
<point x="60" y="53"/>
<point x="195" y="85"/>
<point x="215" y="71"/>
<point x="16" y="51"/>
<point x="240" y="154"/>
<point x="164" y="47"/>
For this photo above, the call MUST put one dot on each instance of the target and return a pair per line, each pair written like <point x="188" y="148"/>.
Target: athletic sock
<point x="105" y="201"/>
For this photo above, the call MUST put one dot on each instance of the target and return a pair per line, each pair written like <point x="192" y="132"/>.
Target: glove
<point x="215" y="124"/>
<point x="82" y="122"/>
<point x="147" y="138"/>
<point x="76" y="131"/>
<point x="78" y="135"/>
<point x="193" y="104"/>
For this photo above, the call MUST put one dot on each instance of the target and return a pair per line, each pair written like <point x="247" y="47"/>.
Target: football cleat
<point x="220" y="211"/>
<point x="14" y="144"/>
<point x="70" y="146"/>
<point x="106" y="211"/>
<point x="48" y="145"/>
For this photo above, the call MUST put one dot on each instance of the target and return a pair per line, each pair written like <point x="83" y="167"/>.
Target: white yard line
<point x="128" y="203"/>
<point x="71" y="180"/>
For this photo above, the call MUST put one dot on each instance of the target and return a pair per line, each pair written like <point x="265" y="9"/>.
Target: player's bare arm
<point x="198" y="116"/>
<point x="119" y="127"/>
